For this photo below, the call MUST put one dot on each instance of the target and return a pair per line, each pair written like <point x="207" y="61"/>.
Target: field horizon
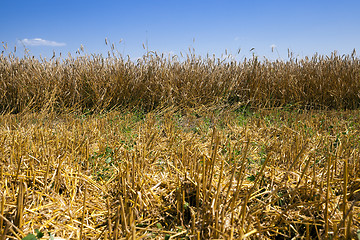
<point x="93" y="83"/>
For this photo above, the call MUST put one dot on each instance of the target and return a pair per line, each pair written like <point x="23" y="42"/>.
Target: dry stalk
<point x="83" y="212"/>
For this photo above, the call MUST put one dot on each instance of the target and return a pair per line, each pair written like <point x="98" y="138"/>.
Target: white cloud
<point x="237" y="38"/>
<point x="41" y="42"/>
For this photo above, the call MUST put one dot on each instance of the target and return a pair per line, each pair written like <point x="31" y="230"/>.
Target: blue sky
<point x="304" y="27"/>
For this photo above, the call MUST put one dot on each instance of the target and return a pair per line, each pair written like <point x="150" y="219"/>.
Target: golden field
<point x="107" y="148"/>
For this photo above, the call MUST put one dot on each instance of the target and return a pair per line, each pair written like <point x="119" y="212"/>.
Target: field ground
<point x="192" y="173"/>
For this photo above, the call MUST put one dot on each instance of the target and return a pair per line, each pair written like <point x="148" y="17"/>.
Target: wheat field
<point x="205" y="148"/>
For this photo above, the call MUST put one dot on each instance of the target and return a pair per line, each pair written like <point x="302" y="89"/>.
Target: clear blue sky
<point x="170" y="26"/>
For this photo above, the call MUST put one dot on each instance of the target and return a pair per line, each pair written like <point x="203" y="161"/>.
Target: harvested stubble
<point x="177" y="174"/>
